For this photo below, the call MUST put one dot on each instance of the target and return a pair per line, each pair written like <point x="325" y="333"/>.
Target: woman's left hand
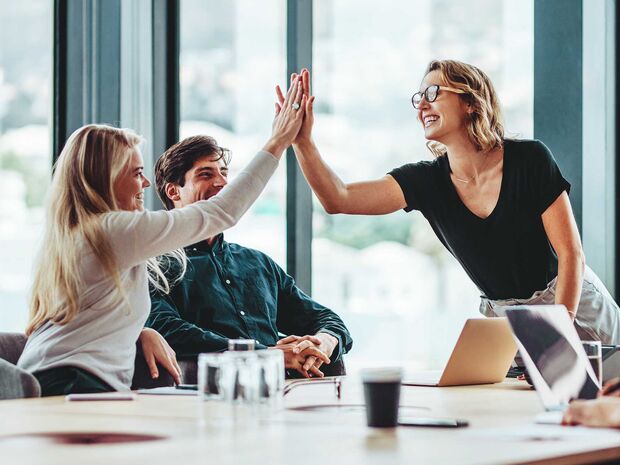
<point x="156" y="350"/>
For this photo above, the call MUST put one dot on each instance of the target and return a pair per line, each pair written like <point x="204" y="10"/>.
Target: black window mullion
<point x="166" y="87"/>
<point x="558" y="89"/>
<point x="298" y="194"/>
<point x="87" y="61"/>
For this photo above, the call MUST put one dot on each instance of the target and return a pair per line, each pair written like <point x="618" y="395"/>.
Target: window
<point x="229" y="65"/>
<point x="25" y="160"/>
<point x="389" y="277"/>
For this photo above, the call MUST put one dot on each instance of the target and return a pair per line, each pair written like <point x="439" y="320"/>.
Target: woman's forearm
<point x="570" y="276"/>
<point x="326" y="184"/>
<point x="139" y="235"/>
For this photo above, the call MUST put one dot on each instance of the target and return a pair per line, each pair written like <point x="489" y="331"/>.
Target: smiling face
<point x="129" y="186"/>
<point x="444" y="117"/>
<point x="206" y="178"/>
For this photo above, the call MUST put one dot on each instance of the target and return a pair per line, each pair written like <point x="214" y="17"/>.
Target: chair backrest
<point x="15" y="383"/>
<point x="11" y="346"/>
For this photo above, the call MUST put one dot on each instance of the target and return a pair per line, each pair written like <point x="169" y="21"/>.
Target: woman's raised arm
<point x="375" y="197"/>
<point x="137" y="236"/>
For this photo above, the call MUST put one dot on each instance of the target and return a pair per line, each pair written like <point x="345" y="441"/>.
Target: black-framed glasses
<point x="431" y="93"/>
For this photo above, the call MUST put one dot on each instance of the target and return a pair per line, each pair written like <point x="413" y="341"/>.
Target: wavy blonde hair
<point x="80" y="193"/>
<point x="485" y="127"/>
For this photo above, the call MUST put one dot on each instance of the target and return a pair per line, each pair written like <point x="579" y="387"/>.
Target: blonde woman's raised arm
<point x="136" y="236"/>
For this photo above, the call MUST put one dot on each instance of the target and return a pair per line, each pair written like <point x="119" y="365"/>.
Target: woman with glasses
<point x="499" y="205"/>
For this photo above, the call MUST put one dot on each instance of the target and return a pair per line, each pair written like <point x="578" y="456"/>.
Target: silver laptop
<point x="482" y="355"/>
<point x="553" y="355"/>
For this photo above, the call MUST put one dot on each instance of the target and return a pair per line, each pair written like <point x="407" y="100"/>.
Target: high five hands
<point x="302" y="79"/>
<point x="289" y="117"/>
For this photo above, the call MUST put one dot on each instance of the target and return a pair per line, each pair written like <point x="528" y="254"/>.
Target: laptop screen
<point x="553" y="354"/>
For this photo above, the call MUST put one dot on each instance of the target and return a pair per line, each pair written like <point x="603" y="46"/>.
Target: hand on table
<point x="156" y="350"/>
<point x="611" y="388"/>
<point x="601" y="412"/>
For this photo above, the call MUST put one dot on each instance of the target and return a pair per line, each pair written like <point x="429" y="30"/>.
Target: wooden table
<point x="501" y="416"/>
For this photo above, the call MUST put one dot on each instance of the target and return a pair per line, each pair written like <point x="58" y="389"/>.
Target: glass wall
<point x="230" y="63"/>
<point x="25" y="147"/>
<point x="394" y="284"/>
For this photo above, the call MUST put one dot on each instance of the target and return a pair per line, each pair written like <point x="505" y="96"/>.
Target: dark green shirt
<point x="231" y="292"/>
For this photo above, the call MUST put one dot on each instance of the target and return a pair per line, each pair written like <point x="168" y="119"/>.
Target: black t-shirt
<point x="507" y="254"/>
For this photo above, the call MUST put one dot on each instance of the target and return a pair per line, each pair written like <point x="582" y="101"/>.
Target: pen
<point x="611" y="389"/>
<point x="190" y="387"/>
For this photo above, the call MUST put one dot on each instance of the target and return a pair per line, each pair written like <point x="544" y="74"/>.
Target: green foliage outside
<point x="360" y="232"/>
<point x="36" y="180"/>
<point x="363" y="231"/>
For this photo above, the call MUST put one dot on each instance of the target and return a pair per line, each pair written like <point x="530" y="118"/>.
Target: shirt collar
<point x="217" y="246"/>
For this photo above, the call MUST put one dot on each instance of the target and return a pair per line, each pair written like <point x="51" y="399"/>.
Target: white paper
<point x="168" y="391"/>
<point x="101" y="396"/>
<point x="550" y="418"/>
<point x="543" y="433"/>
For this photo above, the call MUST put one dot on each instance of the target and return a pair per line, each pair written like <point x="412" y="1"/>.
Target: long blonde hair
<point x="81" y="191"/>
<point x="485" y="127"/>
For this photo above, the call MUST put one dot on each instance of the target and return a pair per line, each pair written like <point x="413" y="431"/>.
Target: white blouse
<point x="102" y="337"/>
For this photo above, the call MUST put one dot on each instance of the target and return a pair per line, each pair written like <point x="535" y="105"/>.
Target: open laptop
<point x="482" y="355"/>
<point x="553" y="355"/>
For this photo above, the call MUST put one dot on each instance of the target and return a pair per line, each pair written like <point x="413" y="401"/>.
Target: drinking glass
<point x="209" y="376"/>
<point x="271" y="376"/>
<point x="239" y="345"/>
<point x="595" y="357"/>
<point x="239" y="380"/>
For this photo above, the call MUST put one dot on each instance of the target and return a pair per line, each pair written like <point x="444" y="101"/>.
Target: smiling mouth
<point x="140" y="196"/>
<point x="430" y="119"/>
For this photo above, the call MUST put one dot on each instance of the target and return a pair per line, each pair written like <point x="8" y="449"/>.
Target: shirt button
<point x="228" y="281"/>
<point x="242" y="313"/>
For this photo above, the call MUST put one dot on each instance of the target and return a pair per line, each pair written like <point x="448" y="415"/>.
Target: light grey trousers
<point x="598" y="316"/>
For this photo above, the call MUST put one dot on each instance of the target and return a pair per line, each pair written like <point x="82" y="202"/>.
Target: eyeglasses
<point x="431" y="93"/>
<point x="336" y="381"/>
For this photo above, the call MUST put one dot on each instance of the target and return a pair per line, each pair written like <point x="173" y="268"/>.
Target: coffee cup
<point x="382" y="396"/>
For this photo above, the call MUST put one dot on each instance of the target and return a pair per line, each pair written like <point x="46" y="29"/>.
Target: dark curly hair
<point x="179" y="159"/>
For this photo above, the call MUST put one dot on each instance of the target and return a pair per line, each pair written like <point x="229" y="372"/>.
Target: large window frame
<point x="575" y="75"/>
<point x="87" y="88"/>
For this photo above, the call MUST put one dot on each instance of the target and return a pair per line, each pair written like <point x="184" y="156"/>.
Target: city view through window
<point x="25" y="147"/>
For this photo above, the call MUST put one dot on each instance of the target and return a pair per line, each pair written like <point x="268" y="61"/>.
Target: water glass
<point x="209" y="376"/>
<point x="271" y="376"/>
<point x="242" y="377"/>
<point x="595" y="357"/>
<point x="239" y="345"/>
<point x="239" y="378"/>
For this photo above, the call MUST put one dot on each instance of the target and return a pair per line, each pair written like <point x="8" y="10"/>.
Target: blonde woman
<point x="90" y="293"/>
<point x="500" y="206"/>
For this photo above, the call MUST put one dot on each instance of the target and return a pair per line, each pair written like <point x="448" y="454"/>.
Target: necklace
<point x="467" y="181"/>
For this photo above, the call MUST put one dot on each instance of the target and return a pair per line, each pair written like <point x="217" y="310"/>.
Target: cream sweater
<point x="102" y="337"/>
